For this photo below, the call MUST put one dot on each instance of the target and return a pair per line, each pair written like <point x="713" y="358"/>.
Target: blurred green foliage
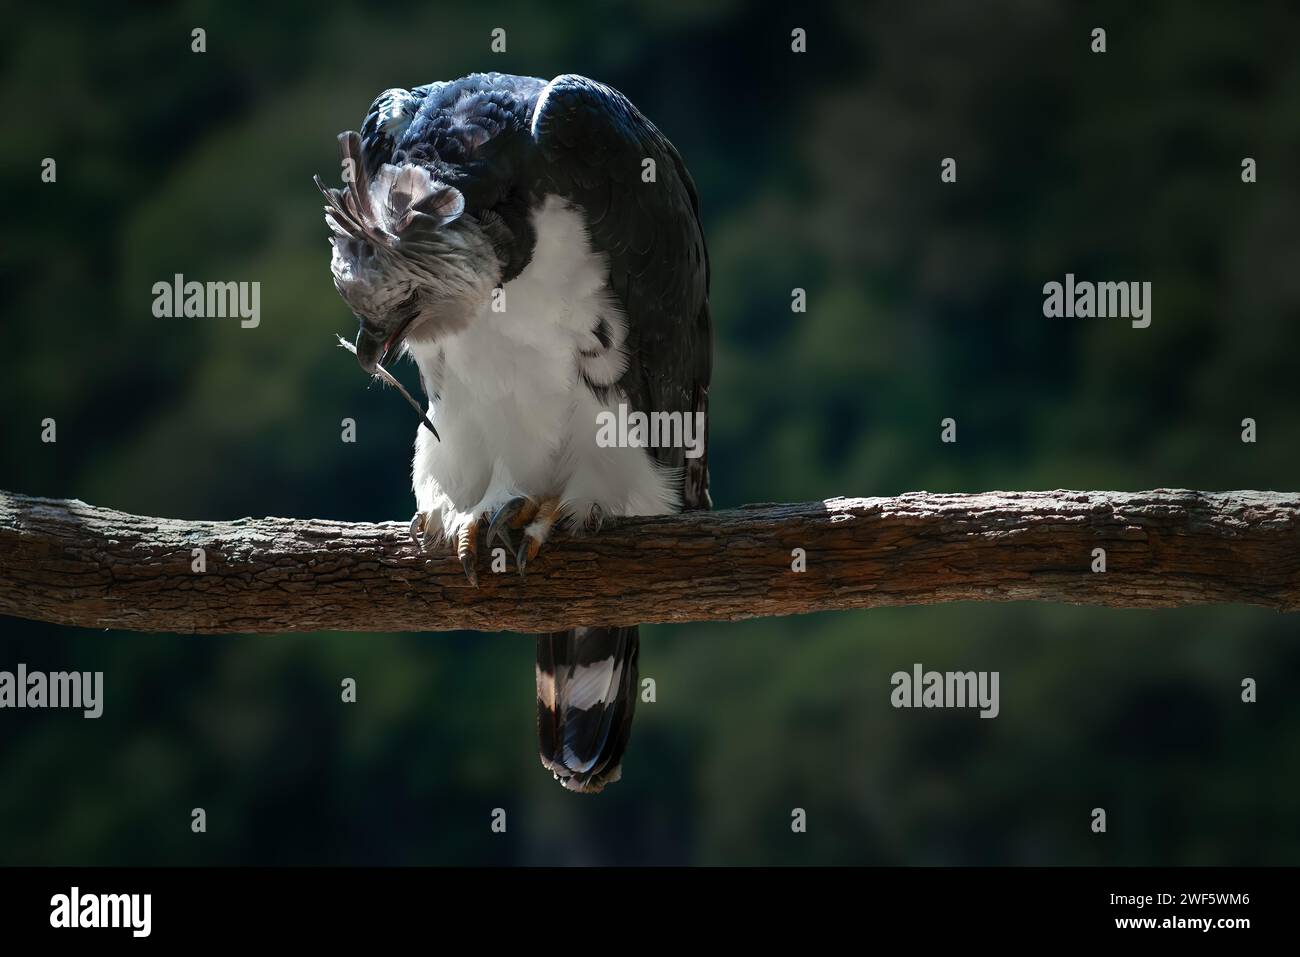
<point x="817" y="171"/>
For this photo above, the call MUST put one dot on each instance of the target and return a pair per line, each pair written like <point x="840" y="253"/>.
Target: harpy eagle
<point x="504" y="233"/>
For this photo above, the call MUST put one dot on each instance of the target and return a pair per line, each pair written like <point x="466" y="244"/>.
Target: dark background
<point x="925" y="300"/>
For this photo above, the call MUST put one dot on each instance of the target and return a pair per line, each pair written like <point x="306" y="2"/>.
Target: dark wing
<point x="591" y="145"/>
<point x="387" y="120"/>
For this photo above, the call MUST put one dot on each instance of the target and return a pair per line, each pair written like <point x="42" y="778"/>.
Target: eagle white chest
<point x="514" y="403"/>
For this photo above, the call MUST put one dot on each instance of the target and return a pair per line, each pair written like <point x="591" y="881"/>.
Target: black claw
<point x="521" y="559"/>
<point x="502" y="533"/>
<point x="499" y="526"/>
<point x="467" y="563"/>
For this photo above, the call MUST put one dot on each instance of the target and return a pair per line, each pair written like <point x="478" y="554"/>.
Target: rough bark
<point x="75" y="564"/>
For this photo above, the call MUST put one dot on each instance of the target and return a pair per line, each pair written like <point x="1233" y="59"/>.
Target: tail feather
<point x="586" y="695"/>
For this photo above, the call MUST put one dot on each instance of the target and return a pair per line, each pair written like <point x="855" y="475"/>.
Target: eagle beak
<point x="370" y="348"/>
<point x="380" y="347"/>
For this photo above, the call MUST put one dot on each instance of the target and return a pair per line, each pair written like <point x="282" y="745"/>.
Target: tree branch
<point x="74" y="564"/>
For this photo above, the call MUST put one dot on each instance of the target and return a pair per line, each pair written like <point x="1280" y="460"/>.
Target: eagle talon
<point x="504" y="535"/>
<point x="543" y="519"/>
<point x="467" y="549"/>
<point x="467" y="562"/>
<point x="513" y="514"/>
<point x="417" y="529"/>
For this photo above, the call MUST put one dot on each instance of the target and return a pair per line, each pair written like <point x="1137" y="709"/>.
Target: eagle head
<point x="409" y="261"/>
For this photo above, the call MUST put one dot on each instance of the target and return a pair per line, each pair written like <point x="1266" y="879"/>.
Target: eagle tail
<point x="586" y="694"/>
